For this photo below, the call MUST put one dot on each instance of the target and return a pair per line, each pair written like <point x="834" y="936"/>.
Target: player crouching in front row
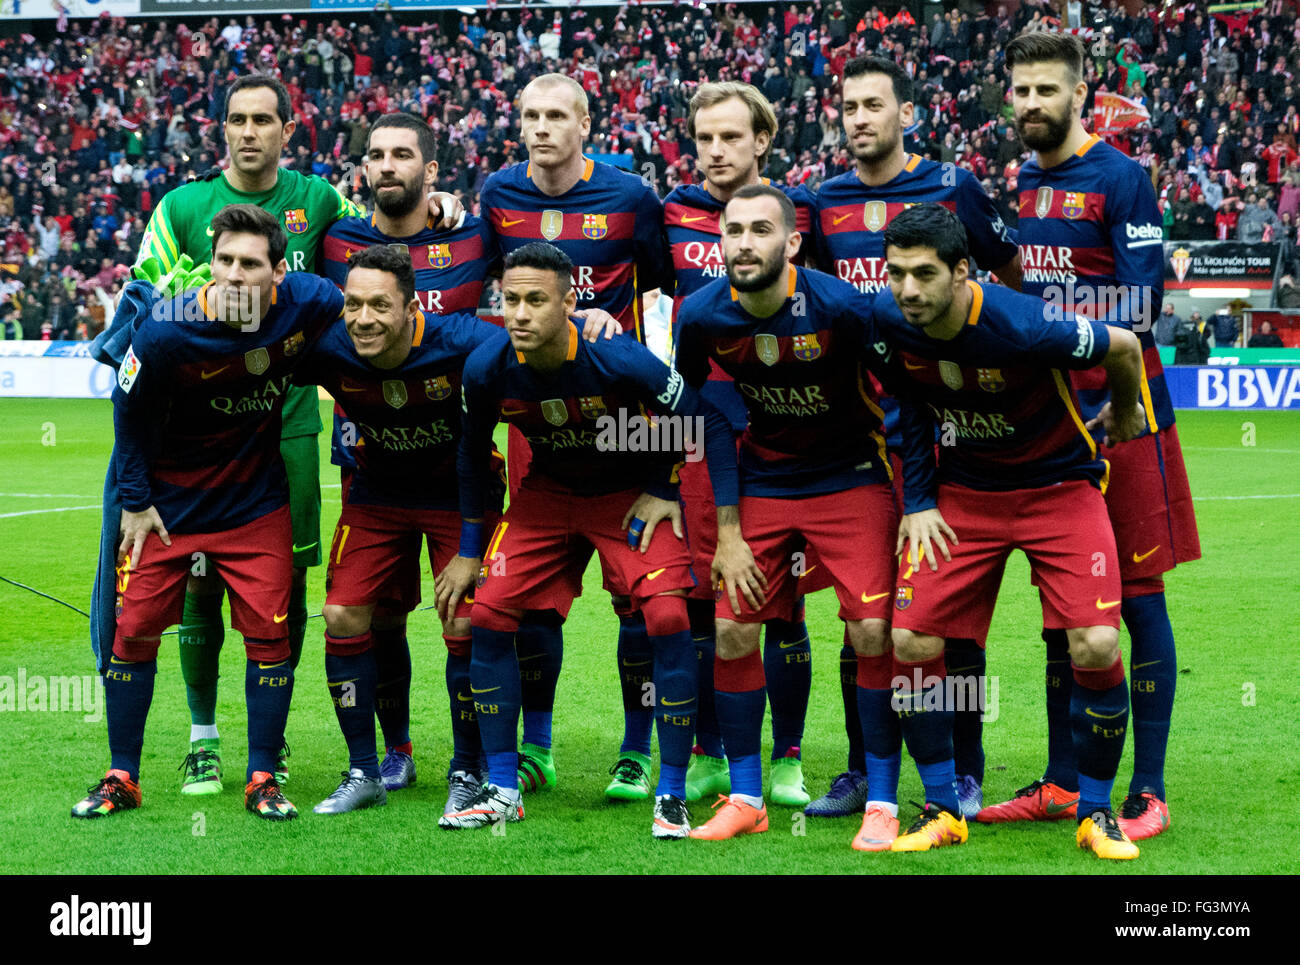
<point x="578" y="496"/>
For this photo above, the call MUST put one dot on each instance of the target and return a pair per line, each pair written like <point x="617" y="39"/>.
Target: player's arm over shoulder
<point x="1044" y="331"/>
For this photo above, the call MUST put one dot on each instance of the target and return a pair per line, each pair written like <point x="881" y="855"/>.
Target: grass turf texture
<point x="1231" y="757"/>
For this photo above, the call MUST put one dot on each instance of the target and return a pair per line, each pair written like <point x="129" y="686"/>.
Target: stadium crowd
<point x="101" y="118"/>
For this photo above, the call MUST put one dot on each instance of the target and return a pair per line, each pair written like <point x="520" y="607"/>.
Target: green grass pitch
<point x="1232" y="759"/>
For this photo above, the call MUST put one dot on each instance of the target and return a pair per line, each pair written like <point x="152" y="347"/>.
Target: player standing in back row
<point x="853" y="211"/>
<point x="1091" y="242"/>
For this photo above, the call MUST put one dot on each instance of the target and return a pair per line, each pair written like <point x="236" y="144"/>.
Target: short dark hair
<point x="409" y="122"/>
<point x="394" y="259"/>
<point x="930" y="225"/>
<point x="859" y="66"/>
<point x="788" y="217"/>
<point x="540" y="255"/>
<point x="1045" y="46"/>
<point x="250" y="219"/>
<point x="283" y="109"/>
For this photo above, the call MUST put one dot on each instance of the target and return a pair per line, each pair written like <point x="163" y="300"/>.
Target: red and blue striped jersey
<point x="1007" y="415"/>
<point x="851" y="218"/>
<point x="610" y="224"/>
<point x="692" y="225"/>
<point x="1091" y="241"/>
<point x="405" y="422"/>
<point x="814" y="418"/>
<point x="450" y="268"/>
<point x="585" y="421"/>
<point x="197" y="406"/>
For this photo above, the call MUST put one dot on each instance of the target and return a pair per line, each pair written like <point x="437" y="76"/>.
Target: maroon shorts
<point x="1150" y="505"/>
<point x="375" y="555"/>
<point x="519" y="458"/>
<point x="852" y="533"/>
<point x="1063" y="529"/>
<point x="255" y="561"/>
<point x="541" y="547"/>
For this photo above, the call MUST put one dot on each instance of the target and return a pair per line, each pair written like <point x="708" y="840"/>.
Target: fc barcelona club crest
<point x="555" y="412"/>
<point x="295" y="220"/>
<point x="594" y="226"/>
<point x="874" y="215"/>
<point x="1043" y="202"/>
<point x="437" y="388"/>
<point x="768" y="348"/>
<point x="950" y="372"/>
<point x="552" y="224"/>
<point x="439" y="256"/>
<point x="806" y="347"/>
<point x="592" y="406"/>
<point x="257" y="361"/>
<point x="1074" y="204"/>
<point x="991" y="380"/>
<point x="293" y="344"/>
<point x="903" y="598"/>
<point x="395" y="393"/>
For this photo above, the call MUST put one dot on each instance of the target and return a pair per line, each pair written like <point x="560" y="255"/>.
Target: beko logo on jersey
<point x="1141" y="235"/>
<point x="864" y="274"/>
<point x="259" y="400"/>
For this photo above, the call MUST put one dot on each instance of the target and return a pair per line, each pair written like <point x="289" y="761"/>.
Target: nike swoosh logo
<point x="656" y="573"/>
<point x="460" y="696"/>
<point x="674" y="703"/>
<point x="208" y="375"/>
<point x="703" y="217"/>
<point x="912" y="367"/>
<point x="1106" y="606"/>
<point x="1054" y="808"/>
<point x="1139" y="666"/>
<point x="807" y="571"/>
<point x="728" y="351"/>
<point x="486" y="690"/>
<point x="271" y="666"/>
<point x="531" y="656"/>
<point x="1092" y="713"/>
<point x="1139" y="559"/>
<point x="353" y="388"/>
<point x="280" y="617"/>
<point x="303" y="549"/>
<point x="339" y="683"/>
<point x="840" y="218"/>
<point x="513" y="411"/>
<point x="793" y="643"/>
<point x="507" y="224"/>
<point x="876" y="596"/>
<point x="209" y="232"/>
<point x="643" y="663"/>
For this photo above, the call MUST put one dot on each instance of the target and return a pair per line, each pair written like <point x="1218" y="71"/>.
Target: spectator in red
<point x="1280" y="155"/>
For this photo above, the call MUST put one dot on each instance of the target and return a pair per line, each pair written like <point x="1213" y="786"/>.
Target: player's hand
<point x="596" y="323"/>
<point x="919" y="532"/>
<point x="647" y="513"/>
<point x="451" y="585"/>
<point x="734" y="566"/>
<point x="446" y="210"/>
<point x="1117" y="427"/>
<point x="135" y="529"/>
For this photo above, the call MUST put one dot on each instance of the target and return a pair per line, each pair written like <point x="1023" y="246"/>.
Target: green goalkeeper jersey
<point x="305" y="206"/>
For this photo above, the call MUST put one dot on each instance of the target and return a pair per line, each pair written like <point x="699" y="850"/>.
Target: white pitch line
<point x="1260" y="496"/>
<point x="1288" y="452"/>
<point x="61" y="509"/>
<point x="45" y="496"/>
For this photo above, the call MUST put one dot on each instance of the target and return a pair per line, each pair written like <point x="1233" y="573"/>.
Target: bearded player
<point x="1091" y="241"/>
<point x="853" y="211"/>
<point x="733" y="125"/>
<point x="609" y="223"/>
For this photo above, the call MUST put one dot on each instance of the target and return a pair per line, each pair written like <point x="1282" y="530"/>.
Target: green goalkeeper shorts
<point x="301" y="456"/>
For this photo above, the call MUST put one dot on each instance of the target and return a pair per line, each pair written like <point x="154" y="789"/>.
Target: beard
<point x="882" y="148"/>
<point x="1057" y="130"/>
<point x="400" y="205"/>
<point x="770" y="271"/>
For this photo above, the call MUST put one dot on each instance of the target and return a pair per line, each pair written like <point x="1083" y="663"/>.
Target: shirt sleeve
<point x="689" y="355"/>
<point x="991" y="241"/>
<point x="160" y="236"/>
<point x="1137" y="238"/>
<point x="653" y="262"/>
<point x="480" y="411"/>
<point x="137" y="398"/>
<point x="1072" y="342"/>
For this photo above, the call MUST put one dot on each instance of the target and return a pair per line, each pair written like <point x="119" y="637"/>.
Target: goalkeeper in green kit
<point x="258" y="126"/>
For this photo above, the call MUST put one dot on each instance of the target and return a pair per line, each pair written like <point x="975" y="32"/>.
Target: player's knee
<point x="665" y="614"/>
<point x="346" y="621"/>
<point x="868" y="638"/>
<point x="912" y="647"/>
<point x="456" y="629"/>
<point x="486" y="617"/>
<point x="622" y="605"/>
<point x="736" y="640"/>
<point x="1096" y="647"/>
